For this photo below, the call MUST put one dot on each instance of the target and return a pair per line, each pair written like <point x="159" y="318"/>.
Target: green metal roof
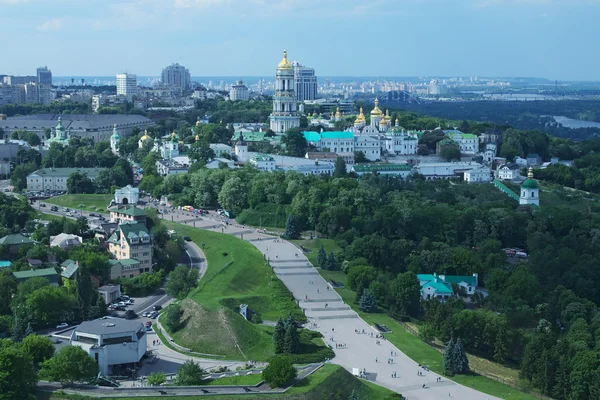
<point x="131" y="231"/>
<point x="124" y="261"/>
<point x="312" y="136"/>
<point x="92" y="173"/>
<point x="530" y="184"/>
<point x="14" y="239"/>
<point x="337" y="135"/>
<point x="439" y="286"/>
<point x="468" y="136"/>
<point x="71" y="268"/>
<point x="381" y="167"/>
<point x="263" y="157"/>
<point x="469" y="280"/>
<point x="34" y="273"/>
<point x="130" y="210"/>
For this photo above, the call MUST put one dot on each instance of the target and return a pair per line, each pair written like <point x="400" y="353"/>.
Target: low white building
<point x="478" y="175"/>
<point x="110" y="293"/>
<point x="445" y="170"/>
<point x="111" y="341"/>
<point x="127" y="195"/>
<point x="220" y="149"/>
<point x="490" y="152"/>
<point x="263" y="162"/>
<point x="167" y="166"/>
<point x="56" y="178"/>
<point x="401" y="170"/>
<point x="468" y="143"/>
<point x="318" y="168"/>
<point x="509" y="172"/>
<point x="369" y="145"/>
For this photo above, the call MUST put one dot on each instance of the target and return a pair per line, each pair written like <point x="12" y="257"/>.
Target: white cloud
<point x="55" y="24"/>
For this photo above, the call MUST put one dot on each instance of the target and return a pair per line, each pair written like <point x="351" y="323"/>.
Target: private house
<point x="111" y="341"/>
<point x="440" y="287"/>
<point x="48" y="273"/>
<point x="65" y="241"/>
<point x="69" y="269"/>
<point x="125" y="268"/>
<point x="127" y="213"/>
<point x="15" y="241"/>
<point x="131" y="240"/>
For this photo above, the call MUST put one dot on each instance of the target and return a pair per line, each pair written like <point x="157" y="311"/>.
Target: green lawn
<point x="265" y="215"/>
<point x="314" y="245"/>
<point x="240" y="380"/>
<point x="88" y="202"/>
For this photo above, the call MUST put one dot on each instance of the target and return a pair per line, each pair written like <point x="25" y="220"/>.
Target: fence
<point x="482" y="373"/>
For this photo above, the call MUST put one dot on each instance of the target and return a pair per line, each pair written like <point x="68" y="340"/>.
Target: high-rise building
<point x="176" y="76"/>
<point x="239" y="91"/>
<point x="19" y="80"/>
<point x="284" y="115"/>
<point x="44" y="76"/>
<point x="305" y="82"/>
<point x="127" y="85"/>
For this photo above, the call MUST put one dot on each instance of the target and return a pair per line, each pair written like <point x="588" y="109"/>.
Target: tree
<point x="201" y="152"/>
<point x="85" y="291"/>
<point x="8" y="288"/>
<point x="173" y="319"/>
<point x="448" y="358"/>
<point x="339" y="170"/>
<point x="292" y="227"/>
<point x="80" y="183"/>
<point x="295" y="142"/>
<point x="291" y="339"/>
<point x="405" y="294"/>
<point x="279" y="371"/>
<point x="322" y="258"/>
<point x="18" y="378"/>
<point x="427" y="332"/>
<point x="423" y="150"/>
<point x="181" y="280"/>
<point x="189" y="374"/>
<point x="39" y="348"/>
<point x="278" y="336"/>
<point x="450" y="152"/>
<point x="71" y="364"/>
<point x="233" y="195"/>
<point x="455" y="359"/>
<point x="359" y="157"/>
<point x="156" y="378"/>
<point x="18" y="177"/>
<point x="332" y="264"/>
<point x="367" y="302"/>
<point x="464" y="127"/>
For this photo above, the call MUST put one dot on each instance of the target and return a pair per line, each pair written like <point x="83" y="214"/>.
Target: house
<point x="111" y="341"/>
<point x="110" y="293"/>
<point x="15" y="241"/>
<point x="48" y="273"/>
<point x="69" y="269"/>
<point x="508" y="172"/>
<point x="132" y="240"/>
<point x="478" y="175"/>
<point x="125" y="268"/>
<point x="533" y="159"/>
<point x="440" y="287"/>
<point x="127" y="212"/>
<point x="401" y="170"/>
<point x="65" y="241"/>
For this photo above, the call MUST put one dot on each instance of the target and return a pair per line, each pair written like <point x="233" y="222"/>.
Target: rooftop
<point x="92" y="173"/>
<point x="130" y="210"/>
<point x="33" y="273"/>
<point x="109" y="288"/>
<point x="262" y="157"/>
<point x="381" y="167"/>
<point x="15" y="238"/>
<point x="109" y="326"/>
<point x="312" y="136"/>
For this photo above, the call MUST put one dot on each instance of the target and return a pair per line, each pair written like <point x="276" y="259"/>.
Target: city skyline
<point x="376" y="38"/>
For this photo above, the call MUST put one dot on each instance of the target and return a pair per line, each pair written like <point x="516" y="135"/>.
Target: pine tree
<point x="291" y="340"/>
<point x="448" y="358"/>
<point x="322" y="258"/>
<point x="331" y="262"/>
<point x="500" y="346"/>
<point x="85" y="291"/>
<point x="278" y="336"/>
<point x="461" y="362"/>
<point x="367" y="302"/>
<point x="292" y="227"/>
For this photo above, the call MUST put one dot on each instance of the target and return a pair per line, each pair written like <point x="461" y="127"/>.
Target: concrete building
<point x="220" y="149"/>
<point x="127" y="85"/>
<point x="176" y="76"/>
<point x="263" y="162"/>
<point x="370" y="146"/>
<point x="401" y="170"/>
<point x="318" y="168"/>
<point x="97" y="126"/>
<point x="335" y="141"/>
<point x="166" y="167"/>
<point x="55" y="179"/>
<point x="284" y="115"/>
<point x="509" y="172"/>
<point x="19" y="80"/>
<point x="111" y="341"/>
<point x="436" y="88"/>
<point x="305" y="82"/>
<point x="110" y="293"/>
<point x="239" y="91"/>
<point x="478" y="175"/>
<point x="127" y="195"/>
<point x="132" y="240"/>
<point x="126" y="268"/>
<point x="44" y="76"/>
<point x="216" y="163"/>
<point x="530" y="191"/>
<point x="445" y="170"/>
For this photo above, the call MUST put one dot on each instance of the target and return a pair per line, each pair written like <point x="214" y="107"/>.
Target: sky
<point x="554" y="39"/>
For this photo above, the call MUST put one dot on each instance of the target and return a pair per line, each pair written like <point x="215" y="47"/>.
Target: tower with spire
<point x="241" y="149"/>
<point x="114" y="140"/>
<point x="530" y="190"/>
<point x="284" y="115"/>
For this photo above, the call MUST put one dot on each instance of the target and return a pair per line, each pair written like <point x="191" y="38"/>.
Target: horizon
<point x="381" y="38"/>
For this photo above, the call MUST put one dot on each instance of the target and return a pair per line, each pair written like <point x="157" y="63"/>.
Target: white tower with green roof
<point x="530" y="191"/>
<point x="114" y="140"/>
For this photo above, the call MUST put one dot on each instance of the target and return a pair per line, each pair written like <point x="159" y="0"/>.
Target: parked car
<point x="53" y="208"/>
<point x="157" y="308"/>
<point x="187" y="238"/>
<point x="43" y="205"/>
<point x="146" y="314"/>
<point x="148" y="323"/>
<point x="154" y="315"/>
<point x="62" y="326"/>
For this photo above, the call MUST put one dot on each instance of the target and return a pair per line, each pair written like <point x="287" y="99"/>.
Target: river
<point x="575" y="123"/>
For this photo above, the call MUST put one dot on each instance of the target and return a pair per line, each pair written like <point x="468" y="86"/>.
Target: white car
<point x="62" y="326"/>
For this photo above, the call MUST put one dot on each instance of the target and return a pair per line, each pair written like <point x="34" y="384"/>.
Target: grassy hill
<point x="88" y="202"/>
<point x="265" y="215"/>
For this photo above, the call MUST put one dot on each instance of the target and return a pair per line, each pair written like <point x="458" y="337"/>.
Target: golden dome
<point x="337" y="113"/>
<point x="387" y="116"/>
<point x="376" y="111"/>
<point x="383" y="121"/>
<point x="145" y="137"/>
<point x="530" y="173"/>
<point x="197" y="138"/>
<point x="360" y="118"/>
<point x="284" y="63"/>
<point x="198" y="121"/>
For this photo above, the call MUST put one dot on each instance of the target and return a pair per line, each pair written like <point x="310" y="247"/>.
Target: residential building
<point x="126" y="268"/>
<point x="65" y="241"/>
<point x="110" y="293"/>
<point x="103" y="231"/>
<point x="166" y="167"/>
<point x="305" y="82"/>
<point x="284" y="115"/>
<point x="97" y="126"/>
<point x="127" y="195"/>
<point x="127" y="85"/>
<point x="176" y="76"/>
<point x="132" y="240"/>
<point x="509" y="172"/>
<point x="44" y="76"/>
<point x="263" y="162"/>
<point x="15" y="241"/>
<point x="530" y="191"/>
<point x="436" y="88"/>
<point x="127" y="213"/>
<point x="19" y="80"/>
<point x="55" y="179"/>
<point x="48" y="273"/>
<point x="401" y="170"/>
<point x="111" y="341"/>
<point x="440" y="287"/>
<point x="478" y="175"/>
<point x="239" y="91"/>
<point x="68" y="270"/>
